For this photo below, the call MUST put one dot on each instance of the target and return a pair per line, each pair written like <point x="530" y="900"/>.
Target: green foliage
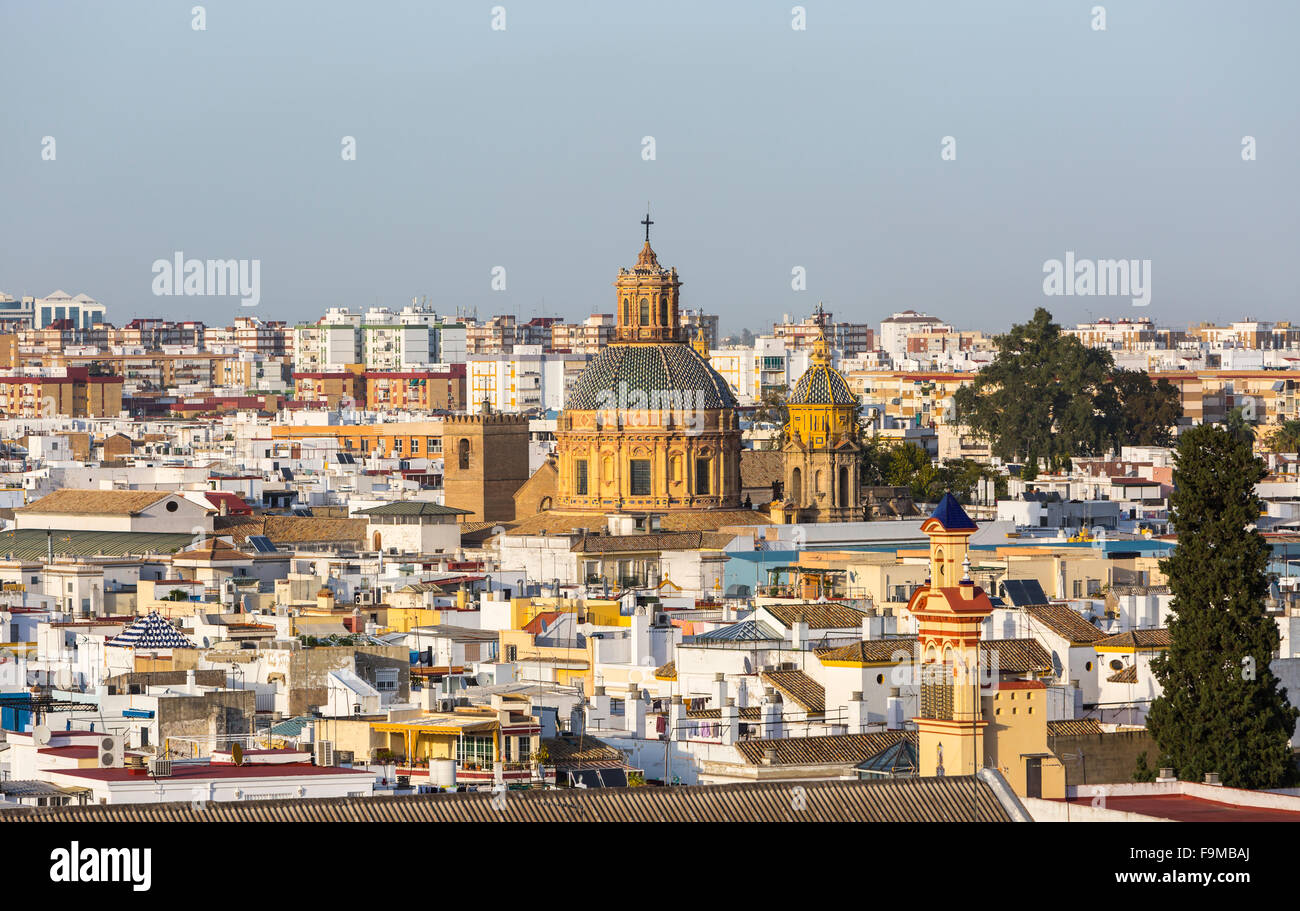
<point x="1237" y="425"/>
<point x="1047" y="396"/>
<point x="1286" y="438"/>
<point x="773" y="410"/>
<point x="887" y="462"/>
<point x="1143" y="772"/>
<point x="177" y="594"/>
<point x="1221" y="709"/>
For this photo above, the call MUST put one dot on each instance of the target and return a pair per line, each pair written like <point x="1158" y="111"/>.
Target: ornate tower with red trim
<point x="949" y="613"/>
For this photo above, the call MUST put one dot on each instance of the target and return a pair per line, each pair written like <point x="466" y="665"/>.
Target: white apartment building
<point x="82" y="310"/>
<point x="525" y="379"/>
<point x="768" y="366"/>
<point x="895" y="330"/>
<point x="379" y="338"/>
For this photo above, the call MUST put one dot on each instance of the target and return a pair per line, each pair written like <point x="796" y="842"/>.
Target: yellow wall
<point x="1018" y="728"/>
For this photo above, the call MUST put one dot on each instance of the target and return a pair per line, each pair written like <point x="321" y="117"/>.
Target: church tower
<point x="649" y="426"/>
<point x="648" y="297"/>
<point x="949" y="612"/>
<point x="821" y="451"/>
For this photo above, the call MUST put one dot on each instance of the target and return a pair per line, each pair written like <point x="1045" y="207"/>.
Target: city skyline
<point x="775" y="149"/>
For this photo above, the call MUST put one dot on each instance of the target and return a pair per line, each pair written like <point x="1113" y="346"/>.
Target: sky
<point x="774" y="149"/>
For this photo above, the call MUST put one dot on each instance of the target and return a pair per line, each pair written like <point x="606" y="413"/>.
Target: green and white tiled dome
<point x="822" y="385"/>
<point x="621" y="376"/>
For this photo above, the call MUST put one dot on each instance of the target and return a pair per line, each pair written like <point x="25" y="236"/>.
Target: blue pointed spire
<point x="951" y="516"/>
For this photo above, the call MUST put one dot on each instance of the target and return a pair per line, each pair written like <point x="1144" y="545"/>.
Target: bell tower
<point x="648" y="297"/>
<point x="949" y="612"/>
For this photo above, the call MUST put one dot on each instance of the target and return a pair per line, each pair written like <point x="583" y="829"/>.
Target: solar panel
<point x="261" y="544"/>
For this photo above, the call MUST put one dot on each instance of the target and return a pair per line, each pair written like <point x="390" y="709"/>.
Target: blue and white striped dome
<point x="151" y="631"/>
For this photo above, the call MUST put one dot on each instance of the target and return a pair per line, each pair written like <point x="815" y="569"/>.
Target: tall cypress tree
<point x="1222" y="709"/>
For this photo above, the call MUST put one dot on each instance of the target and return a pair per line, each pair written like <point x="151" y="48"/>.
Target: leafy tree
<point x="1222" y="709"/>
<point x="1286" y="438"/>
<point x="1240" y="428"/>
<point x="773" y="410"/>
<point x="1146" y="411"/>
<point x="1048" y="396"/>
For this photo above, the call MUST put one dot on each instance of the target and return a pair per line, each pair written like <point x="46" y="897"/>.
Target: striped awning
<point x="151" y="631"/>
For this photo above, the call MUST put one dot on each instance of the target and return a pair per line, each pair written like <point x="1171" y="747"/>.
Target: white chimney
<point x="597" y="710"/>
<point x="894" y="709"/>
<point x="634" y="711"/>
<point x="719" y="690"/>
<point x="771" y="714"/>
<point x="798" y="632"/>
<point x="730" y="723"/>
<point x="867" y="623"/>
<point x="857" y="713"/>
<point x="639" y="636"/>
<point x="677" y="719"/>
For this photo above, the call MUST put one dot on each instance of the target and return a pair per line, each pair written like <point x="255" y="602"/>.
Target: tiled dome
<point x="666" y="374"/>
<point x="822" y="385"/>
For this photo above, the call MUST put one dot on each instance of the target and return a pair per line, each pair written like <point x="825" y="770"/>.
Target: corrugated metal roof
<point x="948" y="799"/>
<point x="32" y="543"/>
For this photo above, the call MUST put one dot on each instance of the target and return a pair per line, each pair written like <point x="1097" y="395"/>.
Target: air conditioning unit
<point x="325" y="752"/>
<point x="110" y="752"/>
<point x="446" y="705"/>
<point x="160" y="768"/>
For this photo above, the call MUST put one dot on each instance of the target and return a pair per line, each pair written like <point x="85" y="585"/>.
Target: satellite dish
<point x="41" y="735"/>
<point x="237" y="754"/>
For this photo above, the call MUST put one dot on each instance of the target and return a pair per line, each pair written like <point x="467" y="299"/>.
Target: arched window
<point x="663" y="311"/>
<point x="462" y="453"/>
<point x="844" y="486"/>
<point x="645" y="311"/>
<point x="796" y="486"/>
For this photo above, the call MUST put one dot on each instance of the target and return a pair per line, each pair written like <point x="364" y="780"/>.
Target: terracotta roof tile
<point x="1066" y="623"/>
<point x="796" y="685"/>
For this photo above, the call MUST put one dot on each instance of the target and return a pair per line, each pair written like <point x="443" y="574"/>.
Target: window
<point x="580" y="477"/>
<point x="645" y="311"/>
<point x="616" y="706"/>
<point x="474" y="751"/>
<point x="386" y="678"/>
<point x="640" y="478"/>
<point x="463" y="451"/>
<point x="701" y="476"/>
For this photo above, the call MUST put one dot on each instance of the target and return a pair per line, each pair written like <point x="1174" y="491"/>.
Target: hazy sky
<point x="775" y="148"/>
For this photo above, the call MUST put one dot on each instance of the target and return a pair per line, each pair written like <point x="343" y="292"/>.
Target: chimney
<point x="771" y="714"/>
<point x="634" y="710"/>
<point x="894" y="709"/>
<point x="677" y="719"/>
<point x="869" y="625"/>
<point x="1166" y="776"/>
<point x="1212" y="779"/>
<point x="598" y="709"/>
<point x="769" y="757"/>
<point x="730" y="723"/>
<point x="719" y="690"/>
<point x="799" y="631"/>
<point x="857" y="713"/>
